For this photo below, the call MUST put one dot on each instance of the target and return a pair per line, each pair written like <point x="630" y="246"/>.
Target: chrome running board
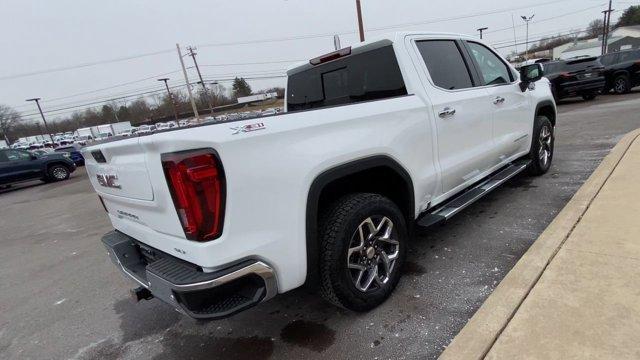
<point x="445" y="211"/>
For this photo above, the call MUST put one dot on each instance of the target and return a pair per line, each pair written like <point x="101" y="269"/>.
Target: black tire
<point x="589" y="97"/>
<point x="621" y="84"/>
<point x="339" y="231"/>
<point x="541" y="142"/>
<point x="57" y="172"/>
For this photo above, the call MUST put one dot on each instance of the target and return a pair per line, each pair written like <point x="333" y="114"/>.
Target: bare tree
<point x="595" y="28"/>
<point x="9" y="118"/>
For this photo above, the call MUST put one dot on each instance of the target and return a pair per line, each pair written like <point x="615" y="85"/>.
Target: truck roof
<point x="383" y="40"/>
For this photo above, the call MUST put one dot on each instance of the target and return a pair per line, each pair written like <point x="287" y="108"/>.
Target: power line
<point x="83" y="65"/>
<point x="90" y="104"/>
<point x="547" y="19"/>
<point x="291" y="38"/>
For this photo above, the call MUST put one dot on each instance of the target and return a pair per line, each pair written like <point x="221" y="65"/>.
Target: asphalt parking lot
<point x="62" y="298"/>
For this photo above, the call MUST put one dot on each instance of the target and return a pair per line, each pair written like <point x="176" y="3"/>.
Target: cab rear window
<point x="370" y="75"/>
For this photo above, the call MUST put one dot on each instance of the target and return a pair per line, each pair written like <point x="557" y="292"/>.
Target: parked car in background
<point x="621" y="71"/>
<point x="84" y="139"/>
<point x="22" y="165"/>
<point x="74" y="153"/>
<point x="146" y="129"/>
<point x="43" y="151"/>
<point x="128" y="132"/>
<point x="579" y="77"/>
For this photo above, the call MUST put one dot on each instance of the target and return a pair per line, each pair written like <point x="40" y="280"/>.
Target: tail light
<point x="197" y="184"/>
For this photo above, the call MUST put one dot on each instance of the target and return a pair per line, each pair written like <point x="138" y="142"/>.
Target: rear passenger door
<point x="461" y="111"/>
<point x="512" y="115"/>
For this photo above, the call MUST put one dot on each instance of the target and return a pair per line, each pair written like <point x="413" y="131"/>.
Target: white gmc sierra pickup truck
<point x="376" y="140"/>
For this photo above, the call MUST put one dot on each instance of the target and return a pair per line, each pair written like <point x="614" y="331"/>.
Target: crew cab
<point x="376" y="139"/>
<point x="21" y="165"/>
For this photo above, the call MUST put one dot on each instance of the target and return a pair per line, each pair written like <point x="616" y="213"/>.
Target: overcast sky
<point x="36" y="36"/>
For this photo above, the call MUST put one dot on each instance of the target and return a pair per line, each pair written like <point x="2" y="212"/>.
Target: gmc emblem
<point x="108" y="180"/>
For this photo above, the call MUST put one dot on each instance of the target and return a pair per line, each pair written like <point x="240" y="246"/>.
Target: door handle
<point x="446" y="112"/>
<point x="498" y="100"/>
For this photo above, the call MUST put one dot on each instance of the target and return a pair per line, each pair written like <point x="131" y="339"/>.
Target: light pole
<point x="46" y="128"/>
<point x="481" y="30"/>
<point x="173" y="104"/>
<point x="526" y="20"/>
<point x="360" y="24"/>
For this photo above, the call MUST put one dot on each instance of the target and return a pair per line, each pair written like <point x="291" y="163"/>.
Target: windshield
<point x="369" y="75"/>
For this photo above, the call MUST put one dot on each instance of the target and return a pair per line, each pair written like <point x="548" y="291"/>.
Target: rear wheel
<point x="363" y="245"/>
<point x="58" y="173"/>
<point x="541" y="153"/>
<point x="621" y="84"/>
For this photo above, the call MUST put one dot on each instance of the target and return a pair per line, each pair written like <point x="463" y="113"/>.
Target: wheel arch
<point x="390" y="179"/>
<point x="547" y="108"/>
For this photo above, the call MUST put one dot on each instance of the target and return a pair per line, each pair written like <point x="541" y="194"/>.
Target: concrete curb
<point x="477" y="337"/>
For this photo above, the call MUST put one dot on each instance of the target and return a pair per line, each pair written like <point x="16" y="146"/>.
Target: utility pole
<point x="186" y="79"/>
<point x="193" y="54"/>
<point x="360" y="24"/>
<point x="515" y="39"/>
<point x="607" y="24"/>
<point x="46" y="127"/>
<point x="527" y="19"/>
<point x="481" y="30"/>
<point x="173" y="103"/>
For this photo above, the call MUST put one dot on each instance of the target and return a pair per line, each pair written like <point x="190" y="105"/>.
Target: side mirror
<point x="34" y="157"/>
<point x="530" y="74"/>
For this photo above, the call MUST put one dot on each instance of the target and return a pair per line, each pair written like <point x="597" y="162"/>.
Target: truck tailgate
<point x="123" y="172"/>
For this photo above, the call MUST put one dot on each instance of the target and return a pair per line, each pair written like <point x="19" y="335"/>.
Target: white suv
<point x="393" y="133"/>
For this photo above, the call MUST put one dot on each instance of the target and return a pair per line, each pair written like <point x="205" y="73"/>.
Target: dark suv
<point x="21" y="165"/>
<point x="576" y="77"/>
<point x="621" y="70"/>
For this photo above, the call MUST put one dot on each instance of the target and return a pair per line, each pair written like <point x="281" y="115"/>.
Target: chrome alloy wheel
<point x="621" y="86"/>
<point x="544" y="151"/>
<point x="373" y="251"/>
<point x="59" y="173"/>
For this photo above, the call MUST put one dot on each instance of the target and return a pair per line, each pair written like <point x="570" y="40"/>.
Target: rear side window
<point x="629" y="56"/>
<point x="609" y="59"/>
<point x="370" y="75"/>
<point x="552" y="67"/>
<point x="445" y="63"/>
<point x="582" y="64"/>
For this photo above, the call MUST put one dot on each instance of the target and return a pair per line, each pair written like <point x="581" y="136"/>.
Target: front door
<point x="20" y="166"/>
<point x="512" y="116"/>
<point x="462" y="113"/>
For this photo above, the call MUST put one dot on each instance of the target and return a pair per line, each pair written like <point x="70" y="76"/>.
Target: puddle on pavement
<point x="413" y="269"/>
<point x="139" y="320"/>
<point x="309" y="335"/>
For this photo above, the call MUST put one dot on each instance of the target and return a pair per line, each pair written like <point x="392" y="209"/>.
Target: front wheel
<point x="363" y="246"/>
<point x="621" y="84"/>
<point x="541" y="153"/>
<point x="58" y="173"/>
